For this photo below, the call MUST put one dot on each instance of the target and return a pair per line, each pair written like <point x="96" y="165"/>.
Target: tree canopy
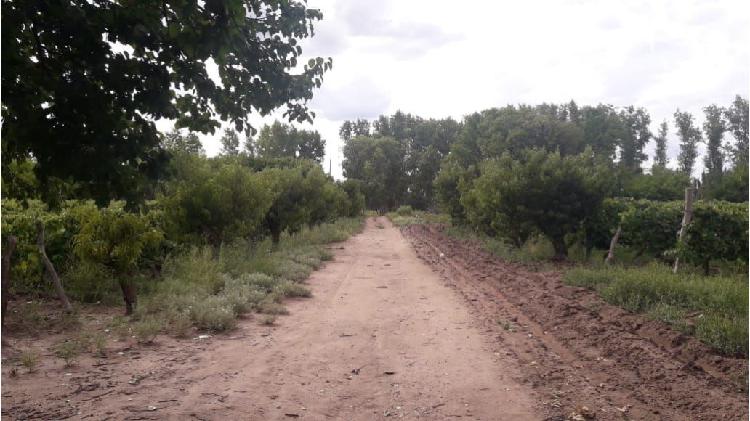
<point x="84" y="81"/>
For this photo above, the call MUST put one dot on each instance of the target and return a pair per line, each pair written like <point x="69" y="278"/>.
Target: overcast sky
<point x="439" y="59"/>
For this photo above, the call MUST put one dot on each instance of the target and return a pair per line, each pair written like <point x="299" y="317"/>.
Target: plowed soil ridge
<point x="576" y="350"/>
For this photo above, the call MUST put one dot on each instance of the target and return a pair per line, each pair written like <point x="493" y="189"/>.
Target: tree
<point x="281" y="140"/>
<point x="689" y="138"/>
<point x="660" y="155"/>
<point x="213" y="201"/>
<point x="737" y="121"/>
<point x="174" y="141"/>
<point x="636" y="134"/>
<point x="83" y="82"/>
<point x="296" y="195"/>
<point x="230" y="143"/>
<point x="543" y="192"/>
<point x="378" y="164"/>
<point x="714" y="127"/>
<point x="116" y="239"/>
<point x="352" y="129"/>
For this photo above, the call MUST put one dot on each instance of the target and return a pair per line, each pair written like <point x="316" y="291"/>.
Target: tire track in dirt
<point x="576" y="350"/>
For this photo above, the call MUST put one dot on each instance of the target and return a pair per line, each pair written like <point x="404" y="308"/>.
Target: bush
<point x="215" y="313"/>
<point x="405" y="211"/>
<point x="718" y="230"/>
<point x="652" y="227"/>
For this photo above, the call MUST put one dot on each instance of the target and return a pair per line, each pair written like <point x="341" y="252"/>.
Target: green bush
<point x="718" y="230"/>
<point x="652" y="227"/>
<point x="405" y="211"/>
<point x="215" y="313"/>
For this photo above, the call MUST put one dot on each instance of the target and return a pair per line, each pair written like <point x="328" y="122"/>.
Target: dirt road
<point x="382" y="337"/>
<point x="405" y="326"/>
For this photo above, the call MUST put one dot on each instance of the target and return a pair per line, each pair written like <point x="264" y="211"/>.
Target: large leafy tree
<point x="377" y="162"/>
<point x="83" y="81"/>
<point x="280" y="140"/>
<point x="690" y="136"/>
<point x="542" y="192"/>
<point x="176" y="142"/>
<point x="230" y="143"/>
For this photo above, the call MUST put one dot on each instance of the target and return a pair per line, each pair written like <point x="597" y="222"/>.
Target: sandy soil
<point x="384" y="336"/>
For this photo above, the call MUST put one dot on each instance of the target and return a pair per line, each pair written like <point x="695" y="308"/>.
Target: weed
<point x="293" y="289"/>
<point x="120" y="327"/>
<point x="29" y="360"/>
<point x="145" y="330"/>
<point x="405" y="211"/>
<point x="68" y="351"/>
<point x="268" y="320"/>
<point x="269" y="306"/>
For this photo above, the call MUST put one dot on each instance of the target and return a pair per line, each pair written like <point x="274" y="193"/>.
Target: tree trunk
<point x="612" y="245"/>
<point x="7" y="257"/>
<point x="707" y="267"/>
<point x="686" y="218"/>
<point x="51" y="269"/>
<point x="275" y="237"/>
<point x="561" y="249"/>
<point x="129" y="296"/>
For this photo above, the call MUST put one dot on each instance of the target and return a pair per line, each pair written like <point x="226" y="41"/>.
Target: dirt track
<point x="435" y="331"/>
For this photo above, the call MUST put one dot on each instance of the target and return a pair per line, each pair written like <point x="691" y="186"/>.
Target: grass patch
<point x="209" y="290"/>
<point x="714" y="309"/>
<point x="405" y="215"/>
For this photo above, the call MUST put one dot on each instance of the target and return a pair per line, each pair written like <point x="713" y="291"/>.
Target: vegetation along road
<point x="376" y="341"/>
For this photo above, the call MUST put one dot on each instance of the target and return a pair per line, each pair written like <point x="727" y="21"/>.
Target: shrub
<point x="405" y="211"/>
<point x="293" y="289"/>
<point x="652" y="227"/>
<point x="718" y="230"/>
<point x="214" y="313"/>
<point x="146" y="329"/>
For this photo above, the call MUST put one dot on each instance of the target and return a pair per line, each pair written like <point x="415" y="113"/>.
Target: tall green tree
<point x="714" y="126"/>
<point x="84" y="81"/>
<point x="690" y="136"/>
<point x="351" y="129"/>
<point x="378" y="164"/>
<point x="636" y="135"/>
<point x="737" y="121"/>
<point x="230" y="143"/>
<point x="660" y="154"/>
<point x="174" y="141"/>
<point x="280" y="140"/>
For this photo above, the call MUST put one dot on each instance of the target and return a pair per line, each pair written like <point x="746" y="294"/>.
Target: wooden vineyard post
<point x="687" y="216"/>
<point x="51" y="268"/>
<point x="612" y="245"/>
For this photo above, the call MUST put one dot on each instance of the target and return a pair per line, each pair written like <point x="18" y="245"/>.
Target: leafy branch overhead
<point x="84" y="81"/>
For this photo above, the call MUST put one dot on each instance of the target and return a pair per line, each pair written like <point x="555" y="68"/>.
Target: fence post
<point x="687" y="216"/>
